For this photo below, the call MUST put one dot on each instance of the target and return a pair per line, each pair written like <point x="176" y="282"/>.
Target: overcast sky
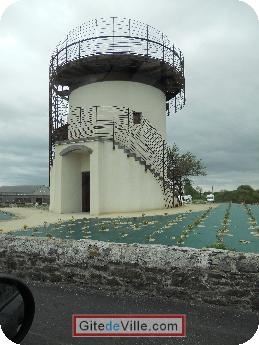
<point x="220" y="122"/>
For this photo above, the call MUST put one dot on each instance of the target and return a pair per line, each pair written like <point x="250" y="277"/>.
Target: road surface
<point x="206" y="325"/>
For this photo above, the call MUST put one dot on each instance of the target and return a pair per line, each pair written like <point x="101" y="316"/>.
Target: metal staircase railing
<point x="146" y="143"/>
<point x="141" y="141"/>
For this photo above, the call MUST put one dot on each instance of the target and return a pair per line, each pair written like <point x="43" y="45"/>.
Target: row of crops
<point x="243" y="228"/>
<point x="228" y="226"/>
<point x="5" y="215"/>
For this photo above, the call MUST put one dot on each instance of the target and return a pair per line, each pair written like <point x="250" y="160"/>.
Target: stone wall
<point x="210" y="275"/>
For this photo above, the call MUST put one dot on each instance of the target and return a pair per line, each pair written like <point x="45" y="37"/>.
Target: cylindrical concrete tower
<point x="112" y="82"/>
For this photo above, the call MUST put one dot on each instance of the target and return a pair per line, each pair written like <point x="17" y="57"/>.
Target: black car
<point x="17" y="308"/>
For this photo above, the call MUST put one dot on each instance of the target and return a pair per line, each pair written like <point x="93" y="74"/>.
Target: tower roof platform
<point x="120" y="67"/>
<point x="118" y="49"/>
<point x="113" y="49"/>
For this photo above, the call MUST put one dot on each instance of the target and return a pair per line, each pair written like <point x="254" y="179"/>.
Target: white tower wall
<point x="136" y="96"/>
<point x="117" y="183"/>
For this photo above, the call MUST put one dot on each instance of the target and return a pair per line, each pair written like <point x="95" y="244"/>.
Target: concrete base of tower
<point x="92" y="177"/>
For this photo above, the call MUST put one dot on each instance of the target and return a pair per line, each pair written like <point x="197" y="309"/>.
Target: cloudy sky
<point x="219" y="39"/>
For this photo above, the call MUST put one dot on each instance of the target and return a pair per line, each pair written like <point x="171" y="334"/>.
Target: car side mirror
<point x="17" y="308"/>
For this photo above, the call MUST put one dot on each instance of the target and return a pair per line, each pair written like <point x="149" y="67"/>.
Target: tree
<point x="189" y="190"/>
<point x="181" y="167"/>
<point x="243" y="193"/>
<point x="199" y="190"/>
<point x="245" y="188"/>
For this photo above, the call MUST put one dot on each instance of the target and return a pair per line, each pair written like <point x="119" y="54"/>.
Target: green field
<point x="228" y="226"/>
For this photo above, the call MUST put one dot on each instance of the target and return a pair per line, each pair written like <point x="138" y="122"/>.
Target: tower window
<point x="137" y="117"/>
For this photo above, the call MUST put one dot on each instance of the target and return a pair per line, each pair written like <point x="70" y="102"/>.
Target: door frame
<point x="86" y="191"/>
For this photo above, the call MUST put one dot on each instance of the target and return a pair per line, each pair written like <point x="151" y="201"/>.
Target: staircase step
<point x="130" y="154"/>
<point x="138" y="159"/>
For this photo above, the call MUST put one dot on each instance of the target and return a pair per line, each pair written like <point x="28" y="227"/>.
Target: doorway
<point x="86" y="191"/>
<point x="39" y="201"/>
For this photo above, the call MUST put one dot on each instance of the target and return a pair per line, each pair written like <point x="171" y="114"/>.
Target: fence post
<point x="128" y="119"/>
<point x="173" y="188"/>
<point x="113" y="136"/>
<point x="147" y="39"/>
<point x="113" y="33"/>
<point x="163" y="47"/>
<point x="79" y="48"/>
<point x="80" y="115"/>
<point x="66" y="48"/>
<point x="173" y="55"/>
<point x="57" y="58"/>
<point x="164" y="165"/>
<point x="96" y="113"/>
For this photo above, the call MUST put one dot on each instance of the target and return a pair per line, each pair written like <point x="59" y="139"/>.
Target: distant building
<point x="186" y="199"/>
<point x="24" y="194"/>
<point x="210" y="198"/>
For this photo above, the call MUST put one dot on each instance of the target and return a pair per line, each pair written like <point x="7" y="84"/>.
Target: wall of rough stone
<point x="198" y="275"/>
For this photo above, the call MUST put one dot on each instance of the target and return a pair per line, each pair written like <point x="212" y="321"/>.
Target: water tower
<point x="112" y="82"/>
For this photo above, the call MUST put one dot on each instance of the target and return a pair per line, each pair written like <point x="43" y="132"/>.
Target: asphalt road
<point x="206" y="325"/>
